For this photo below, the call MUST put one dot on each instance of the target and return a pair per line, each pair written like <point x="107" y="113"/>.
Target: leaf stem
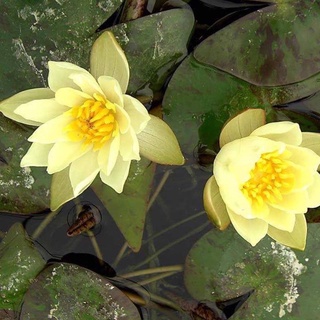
<point x="138" y="273"/>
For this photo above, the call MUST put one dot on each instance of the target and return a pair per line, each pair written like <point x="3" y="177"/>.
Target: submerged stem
<point x="174" y="268"/>
<point x="44" y="224"/>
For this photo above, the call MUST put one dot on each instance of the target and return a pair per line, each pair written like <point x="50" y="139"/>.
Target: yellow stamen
<point x="271" y="177"/>
<point x="94" y="122"/>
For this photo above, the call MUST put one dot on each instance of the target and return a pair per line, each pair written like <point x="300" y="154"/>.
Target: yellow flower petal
<point x="86" y="82"/>
<point x="71" y="97"/>
<point x="294" y="202"/>
<point x="108" y="155"/>
<point x="214" y="205"/>
<point x="252" y="230"/>
<point x="123" y="119"/>
<point x="63" y="153"/>
<point x="237" y="158"/>
<point x="108" y="59"/>
<point x="281" y="220"/>
<point x="61" y="190"/>
<point x="314" y="192"/>
<point x="242" y="125"/>
<point x="311" y="141"/>
<point x="137" y="112"/>
<point x="41" y="110"/>
<point x="129" y="146"/>
<point x="304" y="157"/>
<point x="117" y="178"/>
<point x="37" y="155"/>
<point x="159" y="144"/>
<point x="285" y="131"/>
<point x="111" y="90"/>
<point x="83" y="171"/>
<point x="8" y="106"/>
<point x="51" y="131"/>
<point x="296" y="238"/>
<point x="59" y="73"/>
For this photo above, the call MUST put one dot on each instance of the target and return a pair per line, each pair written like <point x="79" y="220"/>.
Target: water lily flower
<point x="87" y="125"/>
<point x="265" y="179"/>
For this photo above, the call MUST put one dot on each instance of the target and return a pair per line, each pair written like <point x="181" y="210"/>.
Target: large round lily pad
<point x="273" y="46"/>
<point x="65" y="291"/>
<point x="285" y="282"/>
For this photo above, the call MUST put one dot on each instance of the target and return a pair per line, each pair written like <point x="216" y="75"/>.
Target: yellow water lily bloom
<point x="87" y="125"/>
<point x="264" y="179"/>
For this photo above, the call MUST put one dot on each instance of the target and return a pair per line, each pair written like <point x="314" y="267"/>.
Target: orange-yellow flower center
<point x="94" y="122"/>
<point x="271" y="177"/>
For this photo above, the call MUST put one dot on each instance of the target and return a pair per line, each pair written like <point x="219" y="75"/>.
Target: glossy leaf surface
<point x="273" y="46"/>
<point x="66" y="291"/>
<point x="222" y="266"/>
<point x="20" y="263"/>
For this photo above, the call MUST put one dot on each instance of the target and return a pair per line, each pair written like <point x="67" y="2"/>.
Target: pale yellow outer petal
<point x="123" y="119"/>
<point x="236" y="159"/>
<point x="304" y="157"/>
<point x="252" y="230"/>
<point x="232" y="168"/>
<point x="111" y="89"/>
<point x="214" y="205"/>
<point x="41" y="110"/>
<point x="108" y="155"/>
<point x="314" y="192"/>
<point x="159" y="144"/>
<point x="284" y="131"/>
<point x="117" y="178"/>
<point x="311" y="141"/>
<point x="59" y="73"/>
<point x="295" y="239"/>
<point x="294" y="202"/>
<point x="303" y="176"/>
<point x="37" y="155"/>
<point x="52" y="131"/>
<point x="63" y="153"/>
<point x="281" y="220"/>
<point x="8" y="106"/>
<point x="137" y="112"/>
<point x="71" y="97"/>
<point x="61" y="190"/>
<point x="108" y="59"/>
<point x="83" y="171"/>
<point x="129" y="146"/>
<point x="86" y="82"/>
<point x="242" y="125"/>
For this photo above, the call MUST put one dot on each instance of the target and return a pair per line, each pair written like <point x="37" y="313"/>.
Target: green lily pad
<point x="202" y="98"/>
<point x="65" y="291"/>
<point x="128" y="209"/>
<point x="273" y="46"/>
<point x="154" y="45"/>
<point x="20" y="262"/>
<point x="35" y="32"/>
<point x="22" y="190"/>
<point x="222" y="266"/>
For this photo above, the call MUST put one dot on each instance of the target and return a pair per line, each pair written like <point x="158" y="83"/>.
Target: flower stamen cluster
<point x="94" y="122"/>
<point x="269" y="179"/>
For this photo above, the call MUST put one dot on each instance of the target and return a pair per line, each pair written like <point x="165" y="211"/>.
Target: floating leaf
<point x="39" y="31"/>
<point x="20" y="262"/>
<point x="22" y="190"/>
<point x="200" y="99"/>
<point x="65" y="291"/>
<point x="222" y="266"/>
<point x="275" y="45"/>
<point x="128" y="209"/>
<point x="153" y="46"/>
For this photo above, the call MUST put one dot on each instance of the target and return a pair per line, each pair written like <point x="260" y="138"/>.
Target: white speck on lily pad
<point x="290" y="268"/>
